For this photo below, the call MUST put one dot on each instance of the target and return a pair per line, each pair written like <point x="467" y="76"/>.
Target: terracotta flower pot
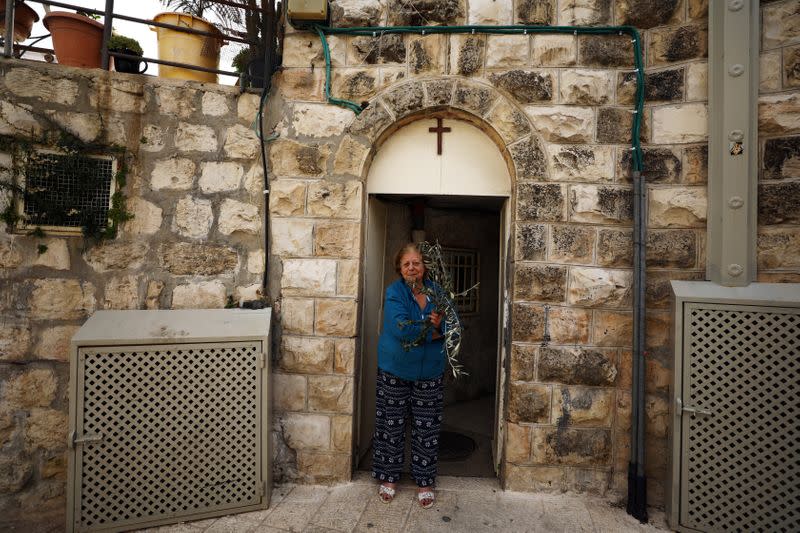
<point x="76" y="39"/>
<point x="24" y="18"/>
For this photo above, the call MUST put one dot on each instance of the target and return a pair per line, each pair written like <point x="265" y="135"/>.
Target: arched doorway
<point x="440" y="178"/>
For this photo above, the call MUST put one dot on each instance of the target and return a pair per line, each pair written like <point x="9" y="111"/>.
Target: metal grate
<point x="70" y="191"/>
<point x="178" y="432"/>
<point x="740" y="469"/>
<point x="463" y="267"/>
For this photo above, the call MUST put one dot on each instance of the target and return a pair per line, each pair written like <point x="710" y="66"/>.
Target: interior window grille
<point x="463" y="267"/>
<point x="67" y="192"/>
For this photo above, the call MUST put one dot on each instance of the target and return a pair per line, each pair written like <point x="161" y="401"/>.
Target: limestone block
<point x="508" y="121"/>
<point x="586" y="87"/>
<point x="172" y="174"/>
<point x="671" y="249"/>
<point x="490" y="13"/>
<point x="335" y="200"/>
<point x="324" y="468"/>
<point x="656" y="416"/>
<point x="658" y="290"/>
<point x="439" y="12"/>
<point x="568" y="124"/>
<point x="507" y="50"/>
<point x="791" y="67"/>
<point x="356" y="13"/>
<point x="578" y="406"/>
<point x="540" y="202"/>
<point x="241" y="142"/>
<point x="426" y="54"/>
<point x="680" y="124"/>
<point x="388" y="76"/>
<point x="581" y="163"/>
<point x="303" y="431"/>
<point x="530" y="242"/>
<point x="292" y="237"/>
<point x="672" y="44"/>
<point x="661" y="85"/>
<point x="10" y="255"/>
<point x="596" y="287"/>
<point x="153" y="294"/>
<point x="535" y="12"/>
<point x="778" y="248"/>
<point x="383" y="49"/>
<point x="333" y="394"/>
<point x="193" y="217"/>
<point x="186" y="259"/>
<point x="195" y="138"/>
<point x="371" y="122"/>
<point x="676" y="207"/>
<point x="122" y="293"/>
<point x="405" y="99"/>
<point x="305" y="49"/>
<point x="350" y="157"/>
<point x="535" y="478"/>
<point x="523" y="362"/>
<point x="780" y="25"/>
<point x="117" y="255"/>
<point x="289" y="392"/>
<point x="178" y="101"/>
<point x="287" y="198"/>
<point x="199" y="295"/>
<point x="615" y="247"/>
<point x="695" y="165"/>
<point x="54" y="343"/>
<point x="698" y="8"/>
<point x="584" y="13"/>
<point x="337" y="239"/>
<point x="320" y="120"/>
<point x="467" y="54"/>
<point x="356" y="84"/>
<point x="347" y="282"/>
<point x="605" y="51"/>
<point x="600" y="204"/>
<point x="529" y="159"/>
<point x="648" y="13"/>
<point x="18" y="119"/>
<point x="16" y="471"/>
<point x="569" y="325"/>
<point x="309" y="277"/>
<point x="56" y="256"/>
<point x="248" y="293"/>
<point x="247" y="107"/>
<point x="254" y="179"/>
<point x="615" y="124"/>
<point x="580" y="447"/>
<point x="518" y="443"/>
<point x="572" y="244"/>
<point x="84" y="126"/>
<point x="302" y="84"/>
<point x="577" y="366"/>
<point x="46" y="429"/>
<point x="529" y="403"/>
<point x="238" y="216"/>
<point x="15" y="341"/>
<point x="342" y="433"/>
<point x="545" y="283"/>
<point x="222" y="176"/>
<point x="290" y="159"/>
<point x="554" y="50"/>
<point x="297" y="315"/>
<point x="612" y="328"/>
<point x="146" y="220"/>
<point x="30" y="83"/>
<point x="31" y="388"/>
<point x="770" y="71"/>
<point x="527" y="324"/>
<point x="309" y="355"/>
<point x="255" y="262"/>
<point x="526" y="86"/>
<point x="697" y="81"/>
<point x="662" y="165"/>
<point x="152" y="139"/>
<point x="214" y="104"/>
<point x="779" y="113"/>
<point x="335" y="317"/>
<point x="61" y="299"/>
<point x="344" y="357"/>
<point x="779" y="203"/>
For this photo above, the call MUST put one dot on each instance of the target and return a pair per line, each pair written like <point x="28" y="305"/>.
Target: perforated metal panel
<point x="167" y="432"/>
<point x="739" y="434"/>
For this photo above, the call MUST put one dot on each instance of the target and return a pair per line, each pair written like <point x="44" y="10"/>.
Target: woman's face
<point x="412" y="267"/>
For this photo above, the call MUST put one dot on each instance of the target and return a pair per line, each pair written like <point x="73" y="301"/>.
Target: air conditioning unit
<point x="734" y="442"/>
<point x="169" y="417"/>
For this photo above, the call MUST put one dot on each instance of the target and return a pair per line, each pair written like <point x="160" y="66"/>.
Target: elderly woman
<point x="411" y="362"/>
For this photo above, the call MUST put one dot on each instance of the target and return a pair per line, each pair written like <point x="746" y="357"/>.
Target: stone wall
<point x="194" y="185"/>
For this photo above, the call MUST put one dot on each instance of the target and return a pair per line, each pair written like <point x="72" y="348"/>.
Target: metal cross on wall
<point x="438" y="130"/>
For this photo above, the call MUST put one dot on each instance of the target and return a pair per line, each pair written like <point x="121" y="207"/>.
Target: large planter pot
<point x="187" y="48"/>
<point x="76" y="39"/>
<point x="24" y="19"/>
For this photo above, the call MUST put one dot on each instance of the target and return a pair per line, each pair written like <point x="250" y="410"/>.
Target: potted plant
<point x="129" y="46"/>
<point x="77" y="38"/>
<point x="24" y="19"/>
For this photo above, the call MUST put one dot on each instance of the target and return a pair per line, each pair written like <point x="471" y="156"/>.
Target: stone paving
<point x="462" y="504"/>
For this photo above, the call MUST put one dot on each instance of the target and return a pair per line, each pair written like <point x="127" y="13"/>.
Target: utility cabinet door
<point x="166" y="433"/>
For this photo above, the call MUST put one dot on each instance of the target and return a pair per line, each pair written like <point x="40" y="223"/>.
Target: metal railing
<point x="109" y="17"/>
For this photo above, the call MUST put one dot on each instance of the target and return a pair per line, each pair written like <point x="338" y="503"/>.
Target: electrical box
<point x="307" y="11"/>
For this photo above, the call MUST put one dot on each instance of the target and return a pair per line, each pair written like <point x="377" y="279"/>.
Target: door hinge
<point x="261" y="490"/>
<point x="262" y="360"/>
<point x="87" y="438"/>
<point x="691" y="409"/>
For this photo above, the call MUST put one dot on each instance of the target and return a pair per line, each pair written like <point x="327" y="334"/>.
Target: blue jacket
<point x="425" y="361"/>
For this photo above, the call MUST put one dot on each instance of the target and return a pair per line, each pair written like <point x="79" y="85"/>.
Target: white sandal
<point x="386" y="494"/>
<point x="426" y="496"/>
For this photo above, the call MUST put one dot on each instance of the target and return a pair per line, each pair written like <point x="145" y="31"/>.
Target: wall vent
<point x="168" y="417"/>
<point x="735" y="402"/>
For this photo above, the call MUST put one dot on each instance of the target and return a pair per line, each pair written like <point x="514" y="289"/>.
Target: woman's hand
<point x="436" y="321"/>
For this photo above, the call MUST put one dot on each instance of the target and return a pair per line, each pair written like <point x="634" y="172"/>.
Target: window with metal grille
<point x="463" y="268"/>
<point x="67" y="193"/>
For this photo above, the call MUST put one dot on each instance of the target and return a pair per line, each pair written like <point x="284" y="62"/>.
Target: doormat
<point x="455" y="446"/>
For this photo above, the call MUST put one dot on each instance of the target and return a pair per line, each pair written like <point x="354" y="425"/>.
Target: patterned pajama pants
<point x="395" y="397"/>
